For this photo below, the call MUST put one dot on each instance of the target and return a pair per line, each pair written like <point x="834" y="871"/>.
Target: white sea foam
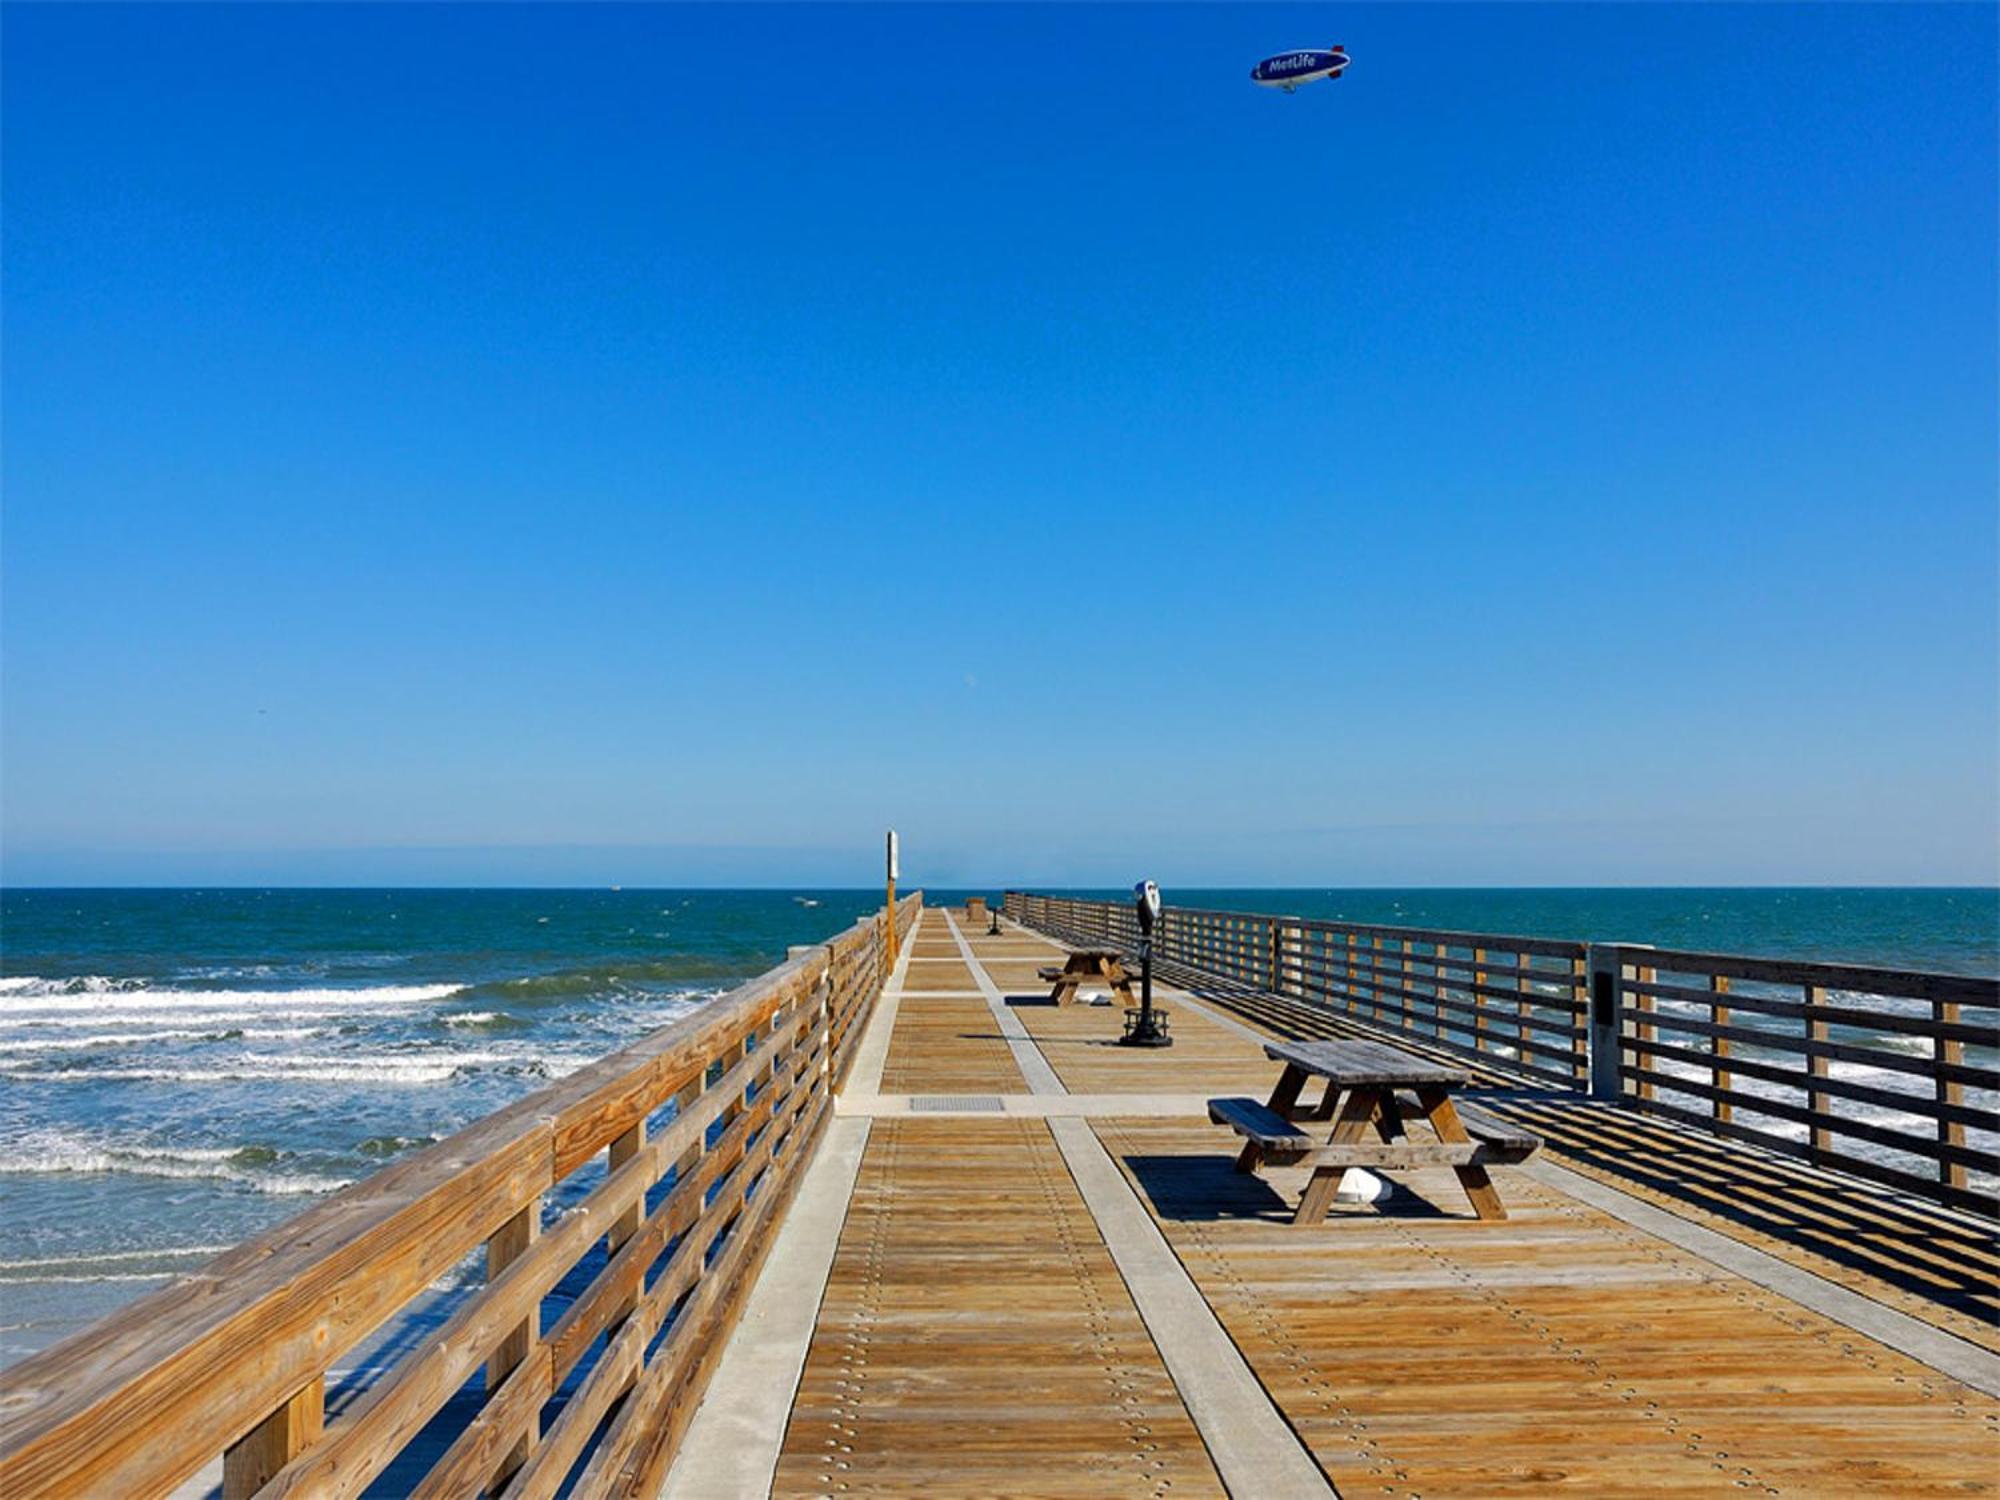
<point x="224" y="1019"/>
<point x="381" y="1068"/>
<point x="81" y="984"/>
<point x="112" y="1257"/>
<point x="41" y="1153"/>
<point x="28" y="999"/>
<point x="170" y="1034"/>
<point x="10" y="1278"/>
<point x="105" y="1267"/>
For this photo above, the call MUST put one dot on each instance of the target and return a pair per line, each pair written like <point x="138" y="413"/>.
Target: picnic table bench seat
<point x="1278" y="1138"/>
<point x="1503" y="1140"/>
<point x="1494" y="1141"/>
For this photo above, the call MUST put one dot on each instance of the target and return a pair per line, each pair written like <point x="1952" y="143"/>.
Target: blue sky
<point x="624" y="444"/>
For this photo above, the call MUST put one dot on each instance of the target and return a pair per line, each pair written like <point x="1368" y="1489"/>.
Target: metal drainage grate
<point x="938" y="1104"/>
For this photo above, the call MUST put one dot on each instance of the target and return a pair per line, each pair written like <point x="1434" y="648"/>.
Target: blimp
<point x="1307" y="65"/>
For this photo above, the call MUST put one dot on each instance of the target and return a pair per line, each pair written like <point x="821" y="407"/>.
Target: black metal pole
<point x="1148" y="1028"/>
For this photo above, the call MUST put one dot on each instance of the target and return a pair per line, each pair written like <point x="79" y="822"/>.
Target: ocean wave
<point x="393" y="1145"/>
<point x="377" y="1068"/>
<point x="483" y="1020"/>
<point x="28" y="999"/>
<point x="80" y="984"/>
<point x="10" y="1278"/>
<point x="170" y="1034"/>
<point x="221" y="1019"/>
<point x="313" y="969"/>
<point x="47" y="1152"/>
<point x="600" y="978"/>
<point x="113" y="1257"/>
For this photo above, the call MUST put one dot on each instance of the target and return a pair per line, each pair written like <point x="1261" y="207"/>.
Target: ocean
<point x="182" y="1068"/>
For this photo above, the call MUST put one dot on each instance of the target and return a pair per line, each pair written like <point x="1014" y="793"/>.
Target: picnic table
<point x="1087" y="966"/>
<point x="1370" y="1112"/>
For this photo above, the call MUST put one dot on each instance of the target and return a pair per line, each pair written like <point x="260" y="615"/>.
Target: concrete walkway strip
<point x="1028" y="1057"/>
<point x="1254" y="1449"/>
<point x="732" y="1446"/>
<point x="1944" y="1352"/>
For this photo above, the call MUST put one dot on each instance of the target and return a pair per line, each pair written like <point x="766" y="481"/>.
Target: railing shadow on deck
<point x="1935" y="1254"/>
<point x="622" y="1212"/>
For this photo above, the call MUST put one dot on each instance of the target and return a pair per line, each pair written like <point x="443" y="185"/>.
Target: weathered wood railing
<point x="1818" y="1061"/>
<point x="701" y="1130"/>
<point x="1514" y="1000"/>
<point x="1890" y="1075"/>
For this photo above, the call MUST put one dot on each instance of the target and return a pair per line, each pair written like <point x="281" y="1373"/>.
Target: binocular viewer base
<point x="1145" y="1028"/>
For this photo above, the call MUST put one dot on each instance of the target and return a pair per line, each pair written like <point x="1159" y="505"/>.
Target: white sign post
<point x="894" y="852"/>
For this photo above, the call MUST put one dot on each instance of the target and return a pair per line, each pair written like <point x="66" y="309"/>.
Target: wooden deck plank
<point x="975" y="1337"/>
<point x="950" y="1046"/>
<point x="942" y="973"/>
<point x="1080" y="1042"/>
<point x="1423" y="1351"/>
<point x="1922" y="1259"/>
<point x="942" y="1043"/>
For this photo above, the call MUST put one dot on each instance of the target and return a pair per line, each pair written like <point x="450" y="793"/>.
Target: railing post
<point x="1644" y="1004"/>
<point x="1375" y="977"/>
<point x="1579" y="985"/>
<point x="621" y="1150"/>
<point x="1601" y="960"/>
<point x="1407" y="998"/>
<point x="1820" y="1104"/>
<point x="504" y="1246"/>
<point x="1947" y="1053"/>
<point x="1439" y="952"/>
<point x="1719" y="1077"/>
<point x="1479" y="1010"/>
<point x="826" y="1000"/>
<point x="274" y="1442"/>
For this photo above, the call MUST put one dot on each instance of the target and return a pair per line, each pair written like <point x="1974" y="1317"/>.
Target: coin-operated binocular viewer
<point x="1146" y="1027"/>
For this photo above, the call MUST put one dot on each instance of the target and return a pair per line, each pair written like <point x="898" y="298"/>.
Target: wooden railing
<point x="1885" y="1074"/>
<point x="700" y="1132"/>
<point x="1514" y="1000"/>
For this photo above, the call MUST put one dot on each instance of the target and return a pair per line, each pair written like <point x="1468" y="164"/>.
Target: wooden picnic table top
<point x="1353" y="1064"/>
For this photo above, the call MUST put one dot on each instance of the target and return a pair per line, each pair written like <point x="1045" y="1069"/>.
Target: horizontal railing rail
<point x="1516" y="1001"/>
<point x="1881" y="1073"/>
<point x="700" y="1131"/>
<point x="1886" y="1074"/>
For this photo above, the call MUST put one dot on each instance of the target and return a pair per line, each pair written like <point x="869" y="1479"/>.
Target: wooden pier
<point x="897" y="1228"/>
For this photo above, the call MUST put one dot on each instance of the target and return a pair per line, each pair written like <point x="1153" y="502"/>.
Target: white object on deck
<point x="1359" y="1185"/>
